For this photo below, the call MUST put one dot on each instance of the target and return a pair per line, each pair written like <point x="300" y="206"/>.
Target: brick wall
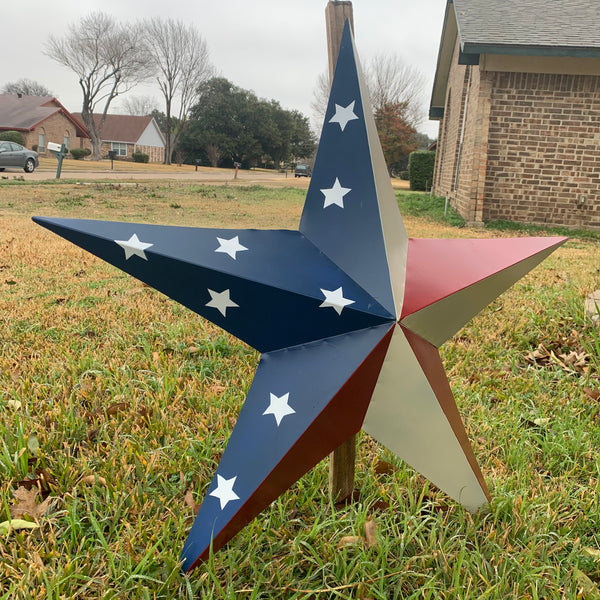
<point x="544" y="149"/>
<point x="530" y="150"/>
<point x="156" y="154"/>
<point x="460" y="158"/>
<point x="54" y="128"/>
<point x="448" y="141"/>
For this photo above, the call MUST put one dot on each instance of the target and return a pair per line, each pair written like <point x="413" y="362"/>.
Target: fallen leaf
<point x="15" y="404"/>
<point x="541" y="421"/>
<point x="93" y="479"/>
<point x="371" y="533"/>
<point x="15" y="525"/>
<point x="590" y="393"/>
<point x="113" y="409"/>
<point x="26" y="504"/>
<point x="33" y="444"/>
<point x="189" y="500"/>
<point x="587" y="586"/>
<point x="350" y="540"/>
<point x="383" y="467"/>
<point x="155" y="356"/>
<point x="593" y="552"/>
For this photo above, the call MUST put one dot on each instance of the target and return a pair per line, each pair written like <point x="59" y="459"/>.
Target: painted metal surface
<point x="347" y="311"/>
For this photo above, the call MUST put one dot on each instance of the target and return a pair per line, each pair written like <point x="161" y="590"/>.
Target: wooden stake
<point x="342" y="460"/>
<point x="336" y="14"/>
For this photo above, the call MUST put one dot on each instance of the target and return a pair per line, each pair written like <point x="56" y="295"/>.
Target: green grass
<point x="420" y="204"/>
<point x="121" y="384"/>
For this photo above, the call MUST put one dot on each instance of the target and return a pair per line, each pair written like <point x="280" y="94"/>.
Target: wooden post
<point x="341" y="465"/>
<point x="336" y="14"/>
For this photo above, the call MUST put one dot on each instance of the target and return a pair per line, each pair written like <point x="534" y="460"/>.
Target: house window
<point x="41" y="142"/>
<point x="120" y="148"/>
<point x="66" y="139"/>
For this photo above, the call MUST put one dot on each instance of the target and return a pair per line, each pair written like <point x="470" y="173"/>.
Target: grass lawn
<point x="116" y="403"/>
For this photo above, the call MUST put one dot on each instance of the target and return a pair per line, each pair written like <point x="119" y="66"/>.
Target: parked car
<point x="14" y="156"/>
<point x="302" y="171"/>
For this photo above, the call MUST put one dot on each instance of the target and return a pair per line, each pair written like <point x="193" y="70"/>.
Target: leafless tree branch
<point x="108" y="58"/>
<point x="181" y="63"/>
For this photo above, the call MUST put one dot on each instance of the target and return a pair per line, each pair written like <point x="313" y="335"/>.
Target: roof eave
<point x="442" y="71"/>
<point x="470" y="49"/>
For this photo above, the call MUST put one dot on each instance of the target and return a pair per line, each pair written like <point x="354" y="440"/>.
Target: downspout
<point x="462" y="129"/>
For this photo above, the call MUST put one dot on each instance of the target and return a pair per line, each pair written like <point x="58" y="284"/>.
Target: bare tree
<point x="390" y="82"/>
<point x="181" y="62"/>
<point x="139" y="106"/>
<point x="26" y="87"/>
<point x="108" y="57"/>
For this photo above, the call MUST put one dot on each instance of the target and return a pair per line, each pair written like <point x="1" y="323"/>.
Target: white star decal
<point x="230" y="247"/>
<point x="335" y="299"/>
<point x="279" y="407"/>
<point x="335" y="194"/>
<point x="221" y="301"/>
<point x="224" y="491"/>
<point x="133" y="246"/>
<point x="343" y="115"/>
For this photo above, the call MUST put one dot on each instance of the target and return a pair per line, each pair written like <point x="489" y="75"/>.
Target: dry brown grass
<point x="116" y="381"/>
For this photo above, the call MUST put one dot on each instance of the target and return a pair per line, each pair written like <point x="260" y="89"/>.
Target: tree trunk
<point x="96" y="144"/>
<point x="95" y="139"/>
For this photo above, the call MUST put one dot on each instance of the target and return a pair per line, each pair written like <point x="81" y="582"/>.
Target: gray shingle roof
<point x="25" y="112"/>
<point x="550" y="24"/>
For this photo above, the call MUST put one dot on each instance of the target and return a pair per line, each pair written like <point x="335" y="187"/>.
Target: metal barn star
<point x="348" y="313"/>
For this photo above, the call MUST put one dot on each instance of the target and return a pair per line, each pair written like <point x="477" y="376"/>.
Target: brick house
<point x="127" y="134"/>
<point x="41" y="119"/>
<point x="517" y="94"/>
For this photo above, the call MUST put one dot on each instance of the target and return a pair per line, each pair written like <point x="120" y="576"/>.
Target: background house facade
<point x="517" y="94"/>
<point x="127" y="134"/>
<point x="41" y="119"/>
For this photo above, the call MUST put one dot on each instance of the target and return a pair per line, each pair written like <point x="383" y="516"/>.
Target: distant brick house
<point x="517" y="94"/>
<point x="41" y="119"/>
<point x="127" y="134"/>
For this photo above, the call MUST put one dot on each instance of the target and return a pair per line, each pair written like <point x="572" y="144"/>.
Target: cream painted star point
<point x="230" y="247"/>
<point x="335" y="299"/>
<point x="224" y="491"/>
<point x="221" y="301"/>
<point x="279" y="407"/>
<point x="133" y="246"/>
<point x="343" y="115"/>
<point x="335" y="195"/>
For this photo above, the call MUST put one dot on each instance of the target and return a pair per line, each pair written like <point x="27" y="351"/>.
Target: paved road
<point x="207" y="175"/>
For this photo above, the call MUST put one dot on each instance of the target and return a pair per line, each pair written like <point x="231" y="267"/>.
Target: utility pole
<point x="343" y="458"/>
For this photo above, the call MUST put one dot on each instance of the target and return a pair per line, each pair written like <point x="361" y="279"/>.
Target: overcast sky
<point x="276" y="48"/>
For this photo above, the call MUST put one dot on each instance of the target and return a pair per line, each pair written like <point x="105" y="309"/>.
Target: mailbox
<point x="54" y="147"/>
<point x="60" y="151"/>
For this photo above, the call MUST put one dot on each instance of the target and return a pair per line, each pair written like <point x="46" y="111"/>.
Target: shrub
<point x="34" y="147"/>
<point x="420" y="170"/>
<point x="79" y="153"/>
<point x="12" y="136"/>
<point x="140" y="157"/>
<point x="403" y="175"/>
